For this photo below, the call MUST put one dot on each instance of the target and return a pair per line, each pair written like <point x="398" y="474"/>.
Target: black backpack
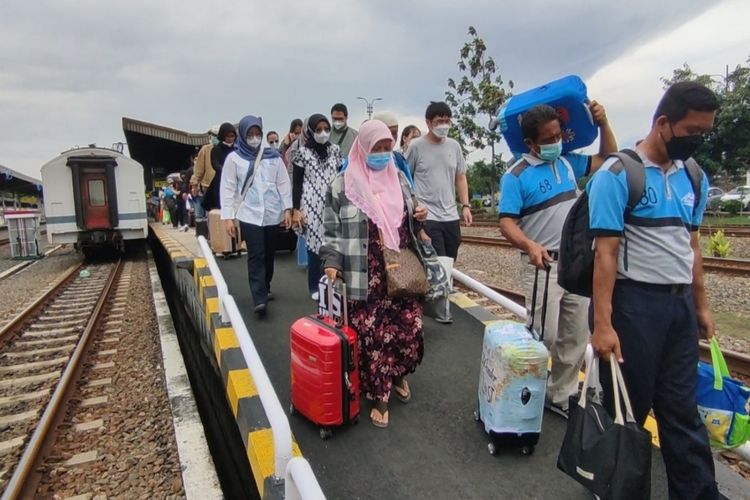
<point x="575" y="267"/>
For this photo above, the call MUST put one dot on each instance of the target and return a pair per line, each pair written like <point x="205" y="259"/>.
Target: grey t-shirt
<point x="434" y="168"/>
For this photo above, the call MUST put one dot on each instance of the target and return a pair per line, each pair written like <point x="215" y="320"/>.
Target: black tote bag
<point x="611" y="458"/>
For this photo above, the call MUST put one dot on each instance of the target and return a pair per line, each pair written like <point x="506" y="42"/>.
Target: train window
<point x="96" y="193"/>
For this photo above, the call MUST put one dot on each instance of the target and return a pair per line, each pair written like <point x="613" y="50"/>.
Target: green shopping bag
<point x="723" y="402"/>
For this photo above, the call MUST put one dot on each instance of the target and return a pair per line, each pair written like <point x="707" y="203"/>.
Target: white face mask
<point x="441" y="130"/>
<point x="321" y="137"/>
<point x="339" y="124"/>
<point x="254" y="142"/>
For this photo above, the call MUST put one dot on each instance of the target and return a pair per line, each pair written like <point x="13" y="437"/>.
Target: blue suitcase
<point x="568" y="96"/>
<point x="513" y="382"/>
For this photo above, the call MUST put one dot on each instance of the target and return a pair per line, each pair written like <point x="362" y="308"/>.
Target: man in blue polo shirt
<point x="537" y="193"/>
<point x="649" y="303"/>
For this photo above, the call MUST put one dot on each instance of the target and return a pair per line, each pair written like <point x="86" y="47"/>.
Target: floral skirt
<point x="391" y="343"/>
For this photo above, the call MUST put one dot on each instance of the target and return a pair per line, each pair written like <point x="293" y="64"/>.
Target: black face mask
<point x="682" y="147"/>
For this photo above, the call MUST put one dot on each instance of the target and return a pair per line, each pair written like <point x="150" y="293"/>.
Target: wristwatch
<point x="465" y="205"/>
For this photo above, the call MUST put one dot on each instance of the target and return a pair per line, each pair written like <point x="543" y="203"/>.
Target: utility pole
<point x="369" y="104"/>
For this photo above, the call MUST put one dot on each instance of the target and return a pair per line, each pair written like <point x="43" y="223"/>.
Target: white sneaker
<point x="315" y="296"/>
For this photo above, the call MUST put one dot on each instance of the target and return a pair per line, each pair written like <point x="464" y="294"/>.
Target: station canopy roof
<point x="18" y="183"/>
<point x="161" y="150"/>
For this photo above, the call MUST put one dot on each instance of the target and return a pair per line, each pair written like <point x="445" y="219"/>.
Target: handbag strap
<point x="719" y="364"/>
<point x="618" y="383"/>
<point x="591" y="368"/>
<point x="250" y="176"/>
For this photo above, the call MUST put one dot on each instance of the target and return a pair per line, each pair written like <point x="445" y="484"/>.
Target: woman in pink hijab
<point x="365" y="212"/>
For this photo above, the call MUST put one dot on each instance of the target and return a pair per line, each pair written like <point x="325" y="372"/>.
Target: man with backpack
<point x="649" y="303"/>
<point x="536" y="194"/>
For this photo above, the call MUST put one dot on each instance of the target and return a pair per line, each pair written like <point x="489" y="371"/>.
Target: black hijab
<point x="220" y="152"/>
<point x="320" y="149"/>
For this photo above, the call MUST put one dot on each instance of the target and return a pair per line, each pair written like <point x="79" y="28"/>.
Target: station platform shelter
<point x="161" y="150"/>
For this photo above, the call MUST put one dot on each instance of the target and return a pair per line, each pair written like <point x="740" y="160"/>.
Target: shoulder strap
<point x="695" y="174"/>
<point x="251" y="171"/>
<point x="635" y="174"/>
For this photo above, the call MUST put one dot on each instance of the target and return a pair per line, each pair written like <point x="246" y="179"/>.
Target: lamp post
<point x="369" y="104"/>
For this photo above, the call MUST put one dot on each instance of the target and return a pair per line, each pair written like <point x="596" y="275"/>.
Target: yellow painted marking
<point x="211" y="307"/>
<point x="260" y="453"/>
<point x="224" y="338"/>
<point x="198" y="264"/>
<point x="651" y="426"/>
<point x="462" y="301"/>
<point x="239" y="385"/>
<point x="175" y="255"/>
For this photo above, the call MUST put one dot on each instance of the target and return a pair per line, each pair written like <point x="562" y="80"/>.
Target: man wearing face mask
<point x="342" y="135"/>
<point x="649" y="310"/>
<point x="537" y="193"/>
<point x="439" y="170"/>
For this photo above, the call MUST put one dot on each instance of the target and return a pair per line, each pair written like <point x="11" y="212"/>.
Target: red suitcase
<point x="325" y="365"/>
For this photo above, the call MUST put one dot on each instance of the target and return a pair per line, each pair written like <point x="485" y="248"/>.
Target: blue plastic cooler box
<point x="568" y="96"/>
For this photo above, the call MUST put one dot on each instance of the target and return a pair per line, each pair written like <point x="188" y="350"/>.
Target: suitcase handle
<point x="534" y="290"/>
<point x="344" y="306"/>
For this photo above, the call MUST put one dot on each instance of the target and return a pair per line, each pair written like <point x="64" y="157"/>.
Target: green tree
<point x="727" y="147"/>
<point x="474" y="100"/>
<point x="483" y="178"/>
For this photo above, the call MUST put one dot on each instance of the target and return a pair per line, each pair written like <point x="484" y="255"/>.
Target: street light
<point x="369" y="104"/>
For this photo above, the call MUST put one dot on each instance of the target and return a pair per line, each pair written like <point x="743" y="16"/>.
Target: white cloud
<point x="630" y="86"/>
<point x="70" y="70"/>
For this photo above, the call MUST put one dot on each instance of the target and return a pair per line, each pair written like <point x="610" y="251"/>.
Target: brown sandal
<point x="379" y="419"/>
<point x="403" y="393"/>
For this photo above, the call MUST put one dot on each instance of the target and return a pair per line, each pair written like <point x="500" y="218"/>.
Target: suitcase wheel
<point x="527" y="450"/>
<point x="491" y="448"/>
<point x="325" y="433"/>
<point x="292" y="410"/>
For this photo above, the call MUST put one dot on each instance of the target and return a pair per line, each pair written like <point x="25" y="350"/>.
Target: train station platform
<point x="432" y="448"/>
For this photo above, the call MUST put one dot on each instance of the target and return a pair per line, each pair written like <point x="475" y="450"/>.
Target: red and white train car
<point x="94" y="197"/>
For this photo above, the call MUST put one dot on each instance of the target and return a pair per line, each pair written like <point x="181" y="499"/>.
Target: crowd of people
<point x="347" y="194"/>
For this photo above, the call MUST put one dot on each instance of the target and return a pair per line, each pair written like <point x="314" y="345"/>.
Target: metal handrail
<point x="221" y="284"/>
<point x="300" y="482"/>
<point x="491" y="294"/>
<point x="286" y="467"/>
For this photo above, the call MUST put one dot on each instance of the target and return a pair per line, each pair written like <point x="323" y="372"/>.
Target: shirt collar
<point x="533" y="160"/>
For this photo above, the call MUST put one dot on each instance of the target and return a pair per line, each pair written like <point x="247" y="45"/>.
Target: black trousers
<point x="658" y="335"/>
<point x="445" y="236"/>
<point x="260" y="258"/>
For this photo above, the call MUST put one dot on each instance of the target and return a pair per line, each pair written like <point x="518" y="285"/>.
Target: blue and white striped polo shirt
<point x="658" y="229"/>
<point x="539" y="194"/>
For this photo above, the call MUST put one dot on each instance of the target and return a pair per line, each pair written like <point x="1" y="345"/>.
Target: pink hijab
<point x="376" y="193"/>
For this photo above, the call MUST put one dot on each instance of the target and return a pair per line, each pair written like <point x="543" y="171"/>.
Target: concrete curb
<point x="198" y="471"/>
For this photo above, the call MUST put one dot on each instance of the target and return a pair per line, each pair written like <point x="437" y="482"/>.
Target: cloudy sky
<point x="69" y="71"/>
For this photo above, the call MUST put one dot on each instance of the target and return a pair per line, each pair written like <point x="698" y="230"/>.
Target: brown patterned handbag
<point x="404" y="272"/>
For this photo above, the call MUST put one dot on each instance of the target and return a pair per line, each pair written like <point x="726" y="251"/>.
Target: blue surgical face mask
<point x="550" y="152"/>
<point x="378" y="161"/>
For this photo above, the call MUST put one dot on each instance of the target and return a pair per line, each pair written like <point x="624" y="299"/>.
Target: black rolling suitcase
<point x="284" y="239"/>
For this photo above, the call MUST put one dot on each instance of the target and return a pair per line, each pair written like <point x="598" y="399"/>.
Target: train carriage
<point x="94" y="197"/>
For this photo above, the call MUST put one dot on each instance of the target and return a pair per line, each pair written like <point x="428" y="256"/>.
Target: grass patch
<point x="718" y="220"/>
<point x="732" y="325"/>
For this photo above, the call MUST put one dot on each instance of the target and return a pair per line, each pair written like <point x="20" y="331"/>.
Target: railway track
<point x="42" y="350"/>
<point x="739" y="267"/>
<point x="738" y="363"/>
<point x="734" y="231"/>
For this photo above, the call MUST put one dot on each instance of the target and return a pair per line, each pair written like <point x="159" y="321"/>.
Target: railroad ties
<point x="39" y="362"/>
